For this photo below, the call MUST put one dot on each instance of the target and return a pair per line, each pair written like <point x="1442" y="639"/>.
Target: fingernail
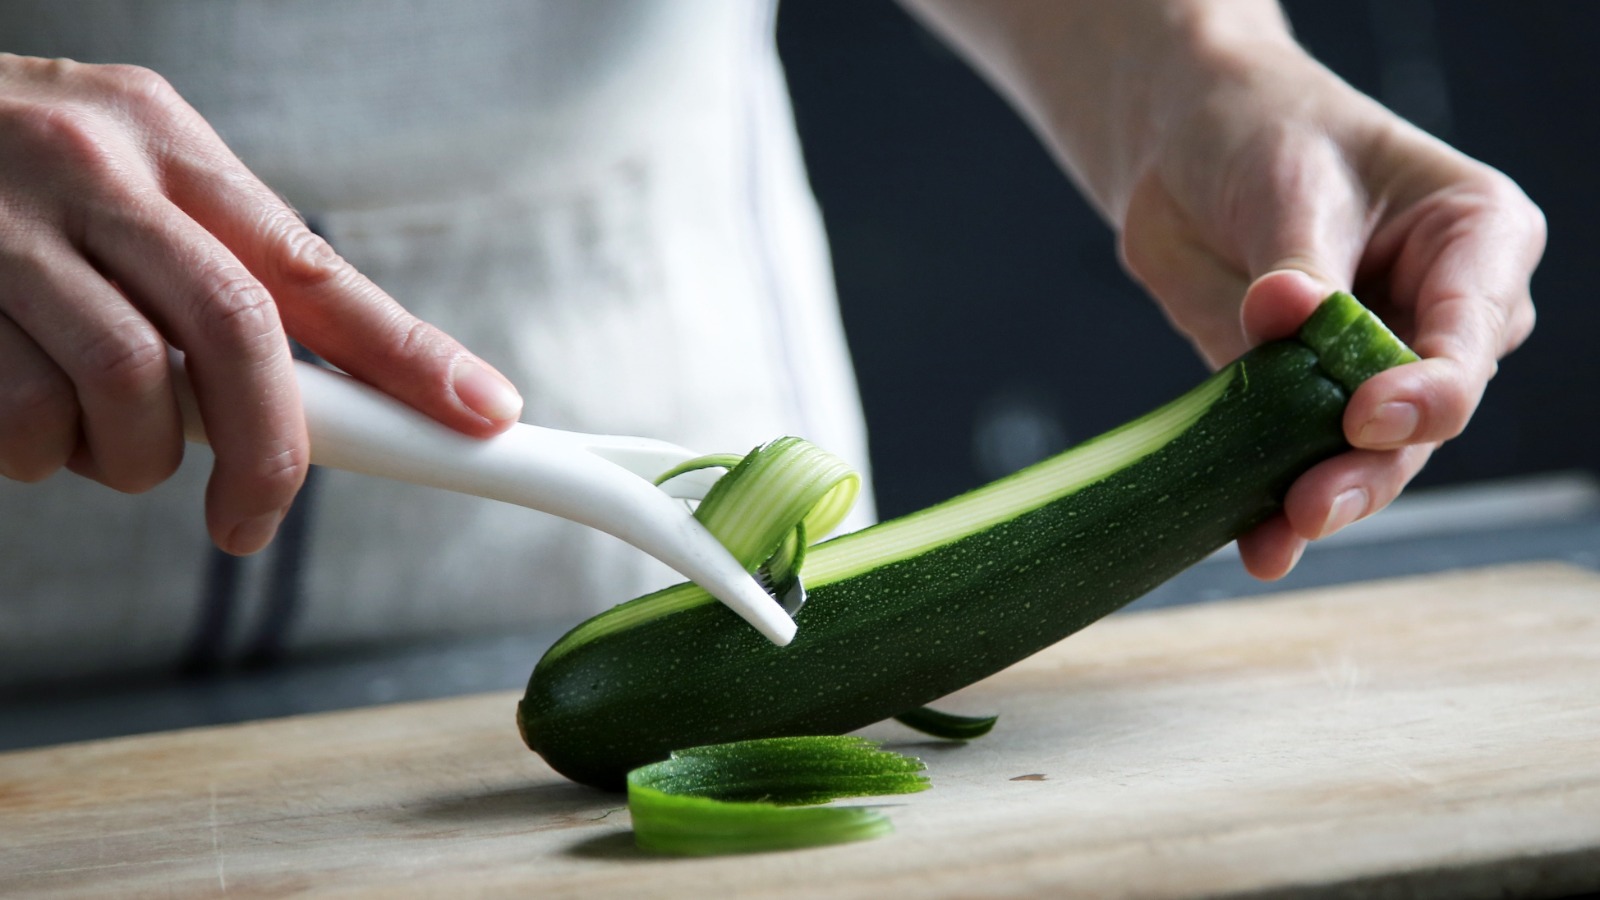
<point x="253" y="534"/>
<point x="1393" y="423"/>
<point x="1347" y="507"/>
<point x="485" y="391"/>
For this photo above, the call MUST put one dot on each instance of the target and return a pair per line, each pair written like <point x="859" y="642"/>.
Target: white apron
<point x="604" y="199"/>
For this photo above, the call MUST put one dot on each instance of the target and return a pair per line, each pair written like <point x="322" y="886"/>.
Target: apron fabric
<point x="604" y="199"/>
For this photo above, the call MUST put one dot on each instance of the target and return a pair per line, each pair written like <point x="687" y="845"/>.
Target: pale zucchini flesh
<point x="913" y="609"/>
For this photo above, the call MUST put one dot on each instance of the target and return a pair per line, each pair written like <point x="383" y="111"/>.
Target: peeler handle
<point x="357" y="428"/>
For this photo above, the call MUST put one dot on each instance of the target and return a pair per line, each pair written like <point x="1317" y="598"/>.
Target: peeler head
<point x="790" y="596"/>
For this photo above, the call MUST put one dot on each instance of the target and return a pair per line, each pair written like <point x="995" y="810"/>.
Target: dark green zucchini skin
<point x="904" y="634"/>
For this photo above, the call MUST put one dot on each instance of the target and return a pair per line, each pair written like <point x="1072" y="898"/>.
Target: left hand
<point x="1277" y="184"/>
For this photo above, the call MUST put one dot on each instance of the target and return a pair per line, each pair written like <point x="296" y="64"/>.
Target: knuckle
<point x="1503" y="192"/>
<point x="305" y="261"/>
<point x="36" y="403"/>
<point x="422" y="343"/>
<point x="1479" y="326"/>
<point x="418" y="338"/>
<point x="43" y="413"/>
<point x="1503" y="198"/>
<point x="93" y="128"/>
<point x="1535" y="225"/>
<point x="278" y="474"/>
<point x="134" y="93"/>
<point x="126" y="361"/>
<point x="70" y="135"/>
<point x="29" y="254"/>
<point x="237" y="310"/>
<point x="1523" y="320"/>
<point x="136" y="82"/>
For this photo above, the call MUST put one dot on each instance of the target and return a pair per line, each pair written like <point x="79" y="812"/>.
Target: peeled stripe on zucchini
<point x="907" y="611"/>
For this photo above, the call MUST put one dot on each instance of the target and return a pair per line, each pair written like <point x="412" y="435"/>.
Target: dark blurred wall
<point x="990" y="321"/>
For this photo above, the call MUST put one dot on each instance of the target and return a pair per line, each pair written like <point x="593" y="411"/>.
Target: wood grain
<point x="1431" y="737"/>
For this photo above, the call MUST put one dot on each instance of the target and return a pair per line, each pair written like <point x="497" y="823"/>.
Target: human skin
<point x="127" y="226"/>
<point x="1246" y="182"/>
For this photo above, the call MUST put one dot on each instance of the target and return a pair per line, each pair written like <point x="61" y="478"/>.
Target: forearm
<point x="1245" y="182"/>
<point x="1100" y="81"/>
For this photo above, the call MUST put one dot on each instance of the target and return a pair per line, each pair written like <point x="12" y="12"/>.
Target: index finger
<point x="209" y="305"/>
<point x="1466" y="260"/>
<point x="337" y="311"/>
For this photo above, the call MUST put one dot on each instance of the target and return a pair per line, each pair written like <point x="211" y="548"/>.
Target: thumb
<point x="1279" y="302"/>
<point x="1304" y="235"/>
<point x="1300" y="247"/>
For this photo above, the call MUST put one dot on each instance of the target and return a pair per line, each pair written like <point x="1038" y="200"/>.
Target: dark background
<point x="990" y="320"/>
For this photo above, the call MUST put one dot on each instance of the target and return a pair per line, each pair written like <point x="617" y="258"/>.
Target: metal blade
<point x="791" y="598"/>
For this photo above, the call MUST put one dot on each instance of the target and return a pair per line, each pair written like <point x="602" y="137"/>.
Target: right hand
<point x="125" y="226"/>
<point x="1277" y="184"/>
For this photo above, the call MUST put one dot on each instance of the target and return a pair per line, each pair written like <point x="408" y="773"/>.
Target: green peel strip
<point x="947" y="726"/>
<point x="780" y="486"/>
<point x="740" y="797"/>
<point x="771" y="505"/>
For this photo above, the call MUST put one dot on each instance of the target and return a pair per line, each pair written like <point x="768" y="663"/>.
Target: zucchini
<point x="912" y="609"/>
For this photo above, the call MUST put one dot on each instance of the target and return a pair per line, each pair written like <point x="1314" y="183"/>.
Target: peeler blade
<point x="791" y="597"/>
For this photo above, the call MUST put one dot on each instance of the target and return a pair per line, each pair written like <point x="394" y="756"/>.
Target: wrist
<point x="1199" y="52"/>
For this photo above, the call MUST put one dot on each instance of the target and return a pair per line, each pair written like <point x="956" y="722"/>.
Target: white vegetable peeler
<point x="603" y="481"/>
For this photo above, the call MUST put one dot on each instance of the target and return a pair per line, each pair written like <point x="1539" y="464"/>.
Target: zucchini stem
<point x="1351" y="344"/>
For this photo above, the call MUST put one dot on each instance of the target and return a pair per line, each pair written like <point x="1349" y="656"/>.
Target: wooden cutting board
<point x="1437" y="737"/>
